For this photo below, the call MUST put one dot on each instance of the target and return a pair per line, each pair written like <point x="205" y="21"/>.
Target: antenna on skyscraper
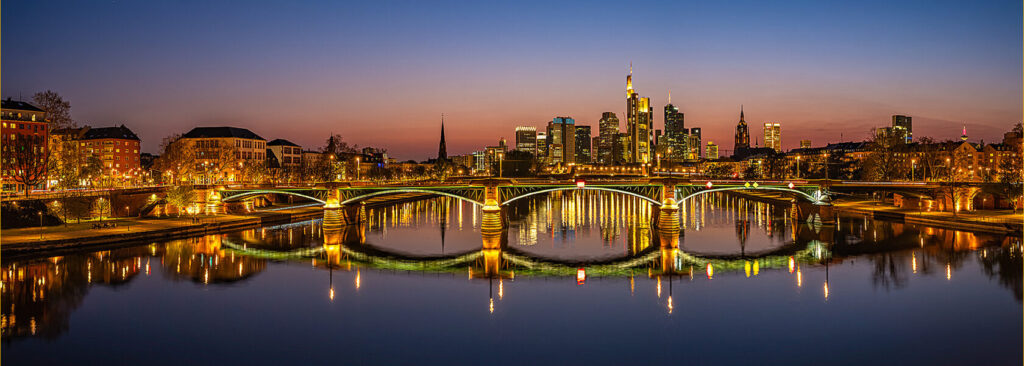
<point x="670" y="96"/>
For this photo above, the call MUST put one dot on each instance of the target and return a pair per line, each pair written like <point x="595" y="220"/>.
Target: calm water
<point x="573" y="279"/>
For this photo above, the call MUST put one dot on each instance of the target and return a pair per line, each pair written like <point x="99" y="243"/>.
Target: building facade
<point x="583" y="147"/>
<point x="903" y="126"/>
<point x="608" y="131"/>
<point x="25" y="144"/>
<point x="639" y="123"/>
<point x="711" y="153"/>
<point x="526" y="139"/>
<point x="561" y="141"/>
<point x="117" y="148"/>
<point x="693" y="144"/>
<point x="287" y="153"/>
<point x="222" y="153"/>
<point x="773" y="136"/>
<point x="675" y="137"/>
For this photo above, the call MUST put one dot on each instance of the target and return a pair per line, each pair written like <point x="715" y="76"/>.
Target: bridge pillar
<point x="823" y="213"/>
<point x="492" y="198"/>
<point x="214" y="204"/>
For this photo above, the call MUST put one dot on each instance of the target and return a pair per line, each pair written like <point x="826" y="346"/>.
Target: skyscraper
<point x="693" y="144"/>
<point x="583" y="148"/>
<point x="805" y="144"/>
<point x="608" y="129"/>
<point x="742" y="137"/>
<point x="675" y="132"/>
<point x="638" y="123"/>
<point x="903" y="126"/>
<point x="526" y="139"/>
<point x="773" y="136"/>
<point x="561" y="140"/>
<point x="542" y="145"/>
<point x="712" y="151"/>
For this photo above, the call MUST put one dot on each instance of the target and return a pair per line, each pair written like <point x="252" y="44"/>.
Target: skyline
<point x="356" y="69"/>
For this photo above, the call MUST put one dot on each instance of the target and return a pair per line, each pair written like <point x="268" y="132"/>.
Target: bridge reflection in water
<point x="40" y="294"/>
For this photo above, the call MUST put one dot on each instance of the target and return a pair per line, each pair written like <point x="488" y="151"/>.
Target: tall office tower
<point x="675" y="132"/>
<point x="595" y="142"/>
<point x="442" y="149"/>
<point x="742" y="137"/>
<point x="773" y="136"/>
<point x="561" y="140"/>
<point x="542" y="145"/>
<point x="903" y="126"/>
<point x="693" y="144"/>
<point x="805" y="144"/>
<point x="620" y="149"/>
<point x="583" y="148"/>
<point x="639" y="123"/>
<point x="658" y="138"/>
<point x="526" y="139"/>
<point x="608" y="130"/>
<point x="712" y="151"/>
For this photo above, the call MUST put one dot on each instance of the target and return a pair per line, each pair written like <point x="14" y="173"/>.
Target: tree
<point x="887" y="160"/>
<point x="181" y="197"/>
<point x="101" y="208"/>
<point x="953" y="179"/>
<point x="27" y="158"/>
<point x="717" y="171"/>
<point x="58" y="110"/>
<point x="256" y="172"/>
<point x="928" y="157"/>
<point x="1010" y="179"/>
<point x="177" y="159"/>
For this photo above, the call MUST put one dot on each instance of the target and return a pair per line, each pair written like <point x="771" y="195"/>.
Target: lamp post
<point x="798" y="167"/>
<point x="358" y="175"/>
<point x="40" y="225"/>
<point x="501" y="161"/>
<point x="913" y="164"/>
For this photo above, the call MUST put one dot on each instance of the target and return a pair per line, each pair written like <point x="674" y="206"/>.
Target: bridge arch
<point x="407" y="190"/>
<point x="574" y="188"/>
<point x="239" y="196"/>
<point x="816" y="199"/>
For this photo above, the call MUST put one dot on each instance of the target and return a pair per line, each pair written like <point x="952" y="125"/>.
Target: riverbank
<point x="1001" y="222"/>
<point x="15" y="242"/>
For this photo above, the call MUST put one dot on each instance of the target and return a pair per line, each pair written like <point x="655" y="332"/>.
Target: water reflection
<point x="582" y="237"/>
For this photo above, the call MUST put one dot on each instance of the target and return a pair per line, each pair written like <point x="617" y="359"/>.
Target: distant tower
<point x="742" y="136"/>
<point x="442" y="150"/>
<point x="963" y="134"/>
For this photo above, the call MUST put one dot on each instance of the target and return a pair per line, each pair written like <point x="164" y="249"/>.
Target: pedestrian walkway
<point x="86" y="230"/>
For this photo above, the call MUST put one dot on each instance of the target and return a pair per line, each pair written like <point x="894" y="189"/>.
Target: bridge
<point x="343" y="203"/>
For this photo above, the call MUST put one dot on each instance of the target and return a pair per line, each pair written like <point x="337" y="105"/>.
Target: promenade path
<point x="85" y="230"/>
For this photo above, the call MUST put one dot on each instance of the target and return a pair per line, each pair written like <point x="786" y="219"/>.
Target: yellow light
<point x="826" y="290"/>
<point x="792" y="264"/>
<point x="670" y="304"/>
<point x="491" y="306"/>
<point x="659" y="287"/>
<point x="913" y="262"/>
<point x="711" y="271"/>
<point x="949" y="272"/>
<point x="501" y="289"/>
<point x="799" y="278"/>
<point x="357" y="279"/>
<point x="331" y="294"/>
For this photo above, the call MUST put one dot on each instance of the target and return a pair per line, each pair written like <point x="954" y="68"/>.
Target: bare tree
<point x="177" y="159"/>
<point x="28" y="159"/>
<point x="888" y="158"/>
<point x="58" y="110"/>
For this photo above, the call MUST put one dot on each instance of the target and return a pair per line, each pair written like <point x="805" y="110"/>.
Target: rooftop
<point x="281" y="142"/>
<point x="206" y="132"/>
<point x="19" y="105"/>
<point x="119" y="132"/>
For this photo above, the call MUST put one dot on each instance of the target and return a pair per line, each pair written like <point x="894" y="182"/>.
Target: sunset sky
<point x="381" y="72"/>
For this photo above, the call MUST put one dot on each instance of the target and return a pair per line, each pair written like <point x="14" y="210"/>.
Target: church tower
<point x="442" y="150"/>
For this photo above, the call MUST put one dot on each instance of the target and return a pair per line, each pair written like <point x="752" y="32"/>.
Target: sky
<point x="381" y="73"/>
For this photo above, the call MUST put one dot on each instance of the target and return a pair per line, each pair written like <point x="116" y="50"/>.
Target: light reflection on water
<point x="564" y="248"/>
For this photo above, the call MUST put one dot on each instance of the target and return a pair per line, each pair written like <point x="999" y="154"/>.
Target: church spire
<point x="442" y="150"/>
<point x="741" y="113"/>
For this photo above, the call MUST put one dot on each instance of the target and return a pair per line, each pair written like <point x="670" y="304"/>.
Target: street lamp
<point x="798" y="167"/>
<point x="501" y="160"/>
<point x="913" y="164"/>
<point x="40" y="225"/>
